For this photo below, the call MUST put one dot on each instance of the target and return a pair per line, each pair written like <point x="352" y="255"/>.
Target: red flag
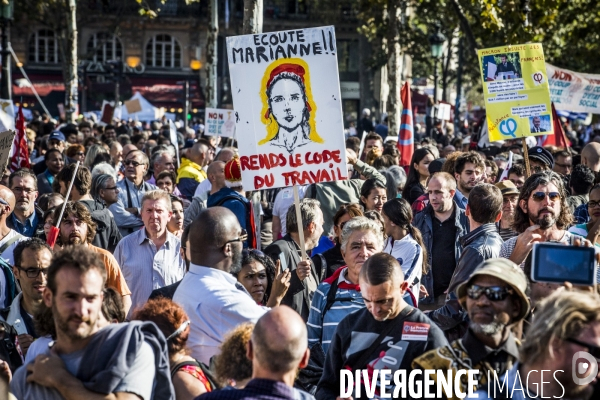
<point x="559" y="138"/>
<point x="406" y="138"/>
<point x="20" y="152"/>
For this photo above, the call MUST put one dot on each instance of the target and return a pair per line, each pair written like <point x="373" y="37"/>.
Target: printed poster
<point x="6" y="142"/>
<point x="219" y="122"/>
<point x="574" y="91"/>
<point x="515" y="88"/>
<point x="286" y="94"/>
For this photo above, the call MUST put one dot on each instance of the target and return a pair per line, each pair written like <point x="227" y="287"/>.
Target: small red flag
<point x="20" y="153"/>
<point x="559" y="138"/>
<point x="406" y="137"/>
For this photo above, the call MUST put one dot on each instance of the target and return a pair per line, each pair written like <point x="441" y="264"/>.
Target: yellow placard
<point x="515" y="88"/>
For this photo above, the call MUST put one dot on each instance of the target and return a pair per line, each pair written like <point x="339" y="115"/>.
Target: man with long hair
<point x="542" y="215"/>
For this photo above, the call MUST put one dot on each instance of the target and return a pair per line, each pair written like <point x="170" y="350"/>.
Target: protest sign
<point x="7" y="115"/>
<point x="286" y="94"/>
<point x="219" y="122"/>
<point x="133" y="106"/>
<point x="515" y="88"/>
<point x="6" y="142"/>
<point x="574" y="91"/>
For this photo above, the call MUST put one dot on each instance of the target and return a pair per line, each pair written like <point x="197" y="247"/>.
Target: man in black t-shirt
<point x="387" y="334"/>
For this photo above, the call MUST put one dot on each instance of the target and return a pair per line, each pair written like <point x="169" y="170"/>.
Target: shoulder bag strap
<point x="9" y="242"/>
<point x="182" y="364"/>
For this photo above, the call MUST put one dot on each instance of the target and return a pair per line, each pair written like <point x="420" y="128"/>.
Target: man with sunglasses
<point x="132" y="188"/>
<point x="32" y="259"/>
<point x="494" y="299"/>
<point x="542" y="215"/>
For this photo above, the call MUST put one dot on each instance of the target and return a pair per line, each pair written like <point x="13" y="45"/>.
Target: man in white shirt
<point x="8" y="241"/>
<point x="212" y="298"/>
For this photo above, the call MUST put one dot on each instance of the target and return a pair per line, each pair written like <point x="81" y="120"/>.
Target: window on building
<point x="163" y="51"/>
<point x="103" y="47"/>
<point x="347" y="55"/>
<point x="43" y="47"/>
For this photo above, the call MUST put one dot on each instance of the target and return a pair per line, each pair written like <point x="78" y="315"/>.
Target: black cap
<point x="543" y="155"/>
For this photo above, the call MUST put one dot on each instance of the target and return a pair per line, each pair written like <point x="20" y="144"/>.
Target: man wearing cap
<point x="56" y="141"/>
<point x="540" y="159"/>
<point x="231" y="195"/>
<point x="510" y="194"/>
<point x="494" y="299"/>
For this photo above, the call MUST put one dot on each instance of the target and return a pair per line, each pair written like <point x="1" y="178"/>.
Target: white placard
<point x="219" y="122"/>
<point x="6" y="142"/>
<point x="286" y="93"/>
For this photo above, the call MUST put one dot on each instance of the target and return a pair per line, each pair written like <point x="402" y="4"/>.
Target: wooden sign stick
<point x="299" y="222"/>
<point x="526" y="157"/>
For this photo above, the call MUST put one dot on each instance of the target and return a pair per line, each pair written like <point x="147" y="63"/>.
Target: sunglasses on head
<point x="540" y="196"/>
<point x="493" y="293"/>
<point x="247" y="252"/>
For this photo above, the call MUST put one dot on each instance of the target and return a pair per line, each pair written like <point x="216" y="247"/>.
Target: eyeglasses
<point x="540" y="196"/>
<point x="132" y="162"/>
<point x="593" y="204"/>
<point x="493" y="293"/>
<point x="34" y="272"/>
<point x="247" y="252"/>
<point x="593" y="350"/>
<point x="23" y="190"/>
<point x="242" y="238"/>
<point x="111" y="188"/>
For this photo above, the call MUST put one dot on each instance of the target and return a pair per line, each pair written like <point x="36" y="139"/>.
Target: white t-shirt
<point x="9" y="258"/>
<point x="410" y="256"/>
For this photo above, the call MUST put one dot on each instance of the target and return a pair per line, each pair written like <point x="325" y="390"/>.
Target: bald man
<point x="277" y="349"/>
<point x="9" y="238"/>
<point x="128" y="148"/>
<point x="590" y="156"/>
<point x="212" y="298"/>
<point x="216" y="174"/>
<point x="191" y="171"/>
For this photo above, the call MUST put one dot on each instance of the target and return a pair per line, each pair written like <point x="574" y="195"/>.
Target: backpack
<point x="10" y="351"/>
<point x="250" y="222"/>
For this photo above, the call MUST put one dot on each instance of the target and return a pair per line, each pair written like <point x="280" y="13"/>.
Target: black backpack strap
<point x="9" y="242"/>
<point x="330" y="297"/>
<point x="207" y="373"/>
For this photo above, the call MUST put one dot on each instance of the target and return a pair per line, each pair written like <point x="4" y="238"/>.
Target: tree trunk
<point x="393" y="67"/>
<point x="70" y="73"/>
<point x="253" y="16"/>
<point x="211" y="55"/>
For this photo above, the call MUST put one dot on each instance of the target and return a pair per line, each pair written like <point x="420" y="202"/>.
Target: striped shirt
<point x="322" y="328"/>
<point x="145" y="267"/>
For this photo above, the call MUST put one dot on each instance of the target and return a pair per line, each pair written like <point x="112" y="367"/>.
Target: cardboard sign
<point x="515" y="88"/>
<point x="133" y="106"/>
<point x="286" y="94"/>
<point x="219" y="122"/>
<point x="6" y="142"/>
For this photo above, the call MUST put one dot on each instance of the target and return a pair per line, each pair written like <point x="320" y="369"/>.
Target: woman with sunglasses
<point x="188" y="375"/>
<point x="591" y="230"/>
<point x="266" y="283"/>
<point x="405" y="244"/>
<point x="332" y="258"/>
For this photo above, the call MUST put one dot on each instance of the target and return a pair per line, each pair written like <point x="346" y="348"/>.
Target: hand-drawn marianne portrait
<point x="288" y="107"/>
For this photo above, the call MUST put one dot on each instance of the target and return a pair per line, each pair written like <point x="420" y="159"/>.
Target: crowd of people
<point x="170" y="280"/>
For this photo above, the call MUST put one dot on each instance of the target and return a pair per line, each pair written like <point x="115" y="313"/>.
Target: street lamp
<point x="6" y="15"/>
<point x="436" y="40"/>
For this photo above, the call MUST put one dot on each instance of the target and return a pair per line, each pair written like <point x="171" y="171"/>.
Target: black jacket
<point x="481" y="244"/>
<point x="39" y="229"/>
<point x="297" y="296"/>
<point x="107" y="231"/>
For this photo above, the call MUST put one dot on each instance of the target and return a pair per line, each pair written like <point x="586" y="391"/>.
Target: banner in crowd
<point x="574" y="91"/>
<point x="7" y="115"/>
<point x="6" y="143"/>
<point x="515" y="88"/>
<point x="219" y="122"/>
<point x="286" y="94"/>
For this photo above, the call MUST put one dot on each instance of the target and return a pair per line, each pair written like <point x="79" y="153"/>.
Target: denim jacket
<point x="423" y="221"/>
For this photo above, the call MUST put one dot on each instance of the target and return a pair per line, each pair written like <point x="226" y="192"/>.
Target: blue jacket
<point x="423" y="221"/>
<point x="236" y="203"/>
